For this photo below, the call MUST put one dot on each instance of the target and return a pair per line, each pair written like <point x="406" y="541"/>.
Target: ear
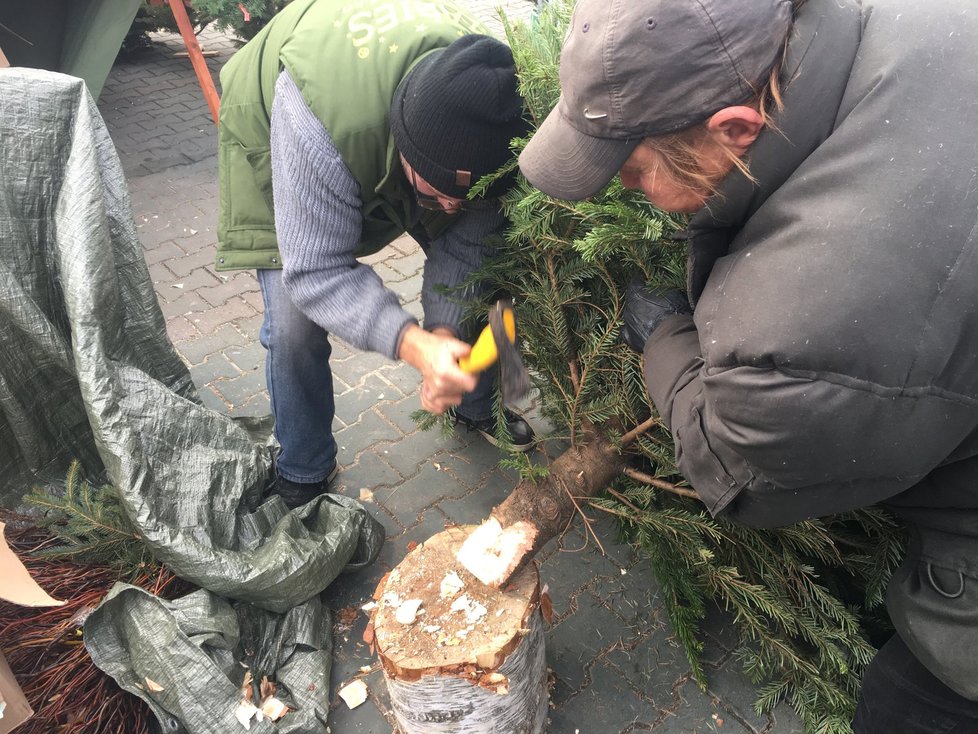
<point x="736" y="127"/>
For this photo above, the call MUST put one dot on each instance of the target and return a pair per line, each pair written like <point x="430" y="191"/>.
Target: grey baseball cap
<point x="633" y="69"/>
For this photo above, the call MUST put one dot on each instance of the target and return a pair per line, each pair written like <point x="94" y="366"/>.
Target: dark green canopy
<point x="76" y="37"/>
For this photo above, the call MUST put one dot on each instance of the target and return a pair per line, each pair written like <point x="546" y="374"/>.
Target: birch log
<point x="460" y="657"/>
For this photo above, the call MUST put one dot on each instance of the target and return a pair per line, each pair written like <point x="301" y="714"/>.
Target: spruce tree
<point x="804" y="598"/>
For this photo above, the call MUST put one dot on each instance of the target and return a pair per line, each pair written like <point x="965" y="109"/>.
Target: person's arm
<point x="769" y="446"/>
<point x="318" y="224"/>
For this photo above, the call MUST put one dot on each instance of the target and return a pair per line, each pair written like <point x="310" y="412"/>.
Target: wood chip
<point x="273" y="709"/>
<point x="354" y="693"/>
<point x="451" y="585"/>
<point x="153" y="686"/>
<point x="245" y="712"/>
<point x="408" y="611"/>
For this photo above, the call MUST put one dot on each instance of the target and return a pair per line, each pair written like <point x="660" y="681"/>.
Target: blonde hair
<point x="678" y="152"/>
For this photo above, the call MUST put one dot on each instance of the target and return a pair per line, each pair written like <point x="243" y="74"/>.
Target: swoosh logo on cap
<point x="594" y="115"/>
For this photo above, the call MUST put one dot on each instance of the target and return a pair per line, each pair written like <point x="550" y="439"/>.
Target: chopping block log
<point x="460" y="657"/>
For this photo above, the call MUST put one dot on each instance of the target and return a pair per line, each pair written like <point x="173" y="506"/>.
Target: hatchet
<point x="498" y="342"/>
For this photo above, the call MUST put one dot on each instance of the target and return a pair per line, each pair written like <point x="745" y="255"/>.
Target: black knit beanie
<point x="455" y="112"/>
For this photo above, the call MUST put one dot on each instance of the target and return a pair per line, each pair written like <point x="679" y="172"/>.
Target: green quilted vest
<point x="347" y="59"/>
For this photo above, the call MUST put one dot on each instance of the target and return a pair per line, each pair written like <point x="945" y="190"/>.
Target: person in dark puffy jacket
<point x="829" y="360"/>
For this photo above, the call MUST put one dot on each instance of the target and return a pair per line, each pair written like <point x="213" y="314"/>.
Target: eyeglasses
<point x="435" y="204"/>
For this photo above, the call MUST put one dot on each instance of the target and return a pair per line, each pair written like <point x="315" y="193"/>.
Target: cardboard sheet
<point x="14" y="709"/>
<point x="16" y="584"/>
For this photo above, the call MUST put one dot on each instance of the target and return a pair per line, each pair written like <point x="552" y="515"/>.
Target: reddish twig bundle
<point x="45" y="650"/>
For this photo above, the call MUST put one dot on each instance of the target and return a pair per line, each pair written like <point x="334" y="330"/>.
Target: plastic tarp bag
<point x="87" y="372"/>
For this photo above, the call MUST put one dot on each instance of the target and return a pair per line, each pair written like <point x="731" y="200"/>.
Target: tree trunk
<point x="537" y="511"/>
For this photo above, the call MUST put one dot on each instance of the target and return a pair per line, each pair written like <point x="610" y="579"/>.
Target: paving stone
<point x="474" y="507"/>
<point x="184" y="263"/>
<point x="651" y="662"/>
<point x="572" y="647"/>
<point x="370" y="472"/>
<point x="387" y="274"/>
<point x="256" y="405"/>
<point x="414" y="308"/>
<point x="408" y="265"/>
<point x="242" y="388"/>
<point x="402" y="375"/>
<point x="248" y="357"/>
<point x="407" y="289"/>
<point x="369" y="430"/>
<point x="249" y="328"/>
<point x="635" y="596"/>
<point x="729" y="684"/>
<point x="698" y="713"/>
<point x="208" y="320"/>
<point x="571" y="568"/>
<point x="215" y="367"/>
<point x="399" y="413"/>
<point x="178" y="328"/>
<point x="211" y="399"/>
<point x="720" y="635"/>
<point x="352" y="403"/>
<point x="351" y="371"/>
<point x="606" y="705"/>
<point x="196" y="351"/>
<point x="476" y="464"/>
<point x="409" y="499"/>
<point x="414" y="450"/>
<point x="161" y="253"/>
<point x="186" y="304"/>
<point x="221" y="293"/>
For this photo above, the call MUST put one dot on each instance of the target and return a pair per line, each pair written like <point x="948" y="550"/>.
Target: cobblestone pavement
<point x="615" y="664"/>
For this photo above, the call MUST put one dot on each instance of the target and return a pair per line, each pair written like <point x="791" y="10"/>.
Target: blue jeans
<point x="300" y="385"/>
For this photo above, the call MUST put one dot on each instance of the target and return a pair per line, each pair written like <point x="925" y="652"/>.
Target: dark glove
<point x="645" y="309"/>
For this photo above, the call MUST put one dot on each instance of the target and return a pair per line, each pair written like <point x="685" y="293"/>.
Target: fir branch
<point x="89" y="525"/>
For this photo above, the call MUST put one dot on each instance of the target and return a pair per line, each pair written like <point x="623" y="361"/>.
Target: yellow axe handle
<point x="484" y="353"/>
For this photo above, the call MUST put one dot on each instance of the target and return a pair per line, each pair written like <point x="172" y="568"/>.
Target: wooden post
<point x="196" y="57"/>
<point x="460" y="657"/>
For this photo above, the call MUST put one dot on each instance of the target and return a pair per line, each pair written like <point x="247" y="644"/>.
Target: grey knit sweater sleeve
<point x="318" y="223"/>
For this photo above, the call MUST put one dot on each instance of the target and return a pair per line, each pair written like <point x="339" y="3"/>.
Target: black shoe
<point x="521" y="434"/>
<point x="296" y="494"/>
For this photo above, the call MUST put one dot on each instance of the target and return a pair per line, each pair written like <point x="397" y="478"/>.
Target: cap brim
<point x="565" y="163"/>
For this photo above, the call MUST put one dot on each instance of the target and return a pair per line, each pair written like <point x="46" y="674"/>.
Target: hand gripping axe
<point x="498" y="341"/>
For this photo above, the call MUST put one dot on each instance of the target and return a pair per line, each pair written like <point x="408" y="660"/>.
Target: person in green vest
<point x="360" y="122"/>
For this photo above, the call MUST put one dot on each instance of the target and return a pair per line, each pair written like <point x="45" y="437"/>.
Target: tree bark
<point x="537" y="511"/>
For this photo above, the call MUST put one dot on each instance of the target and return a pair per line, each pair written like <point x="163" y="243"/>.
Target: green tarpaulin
<point x="87" y="372"/>
<point x="76" y="37"/>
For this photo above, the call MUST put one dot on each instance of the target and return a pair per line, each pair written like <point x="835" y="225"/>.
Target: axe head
<point x="514" y="380"/>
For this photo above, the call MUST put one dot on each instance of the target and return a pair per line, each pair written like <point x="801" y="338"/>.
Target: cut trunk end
<point x="538" y="511"/>
<point x="460" y="657"/>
